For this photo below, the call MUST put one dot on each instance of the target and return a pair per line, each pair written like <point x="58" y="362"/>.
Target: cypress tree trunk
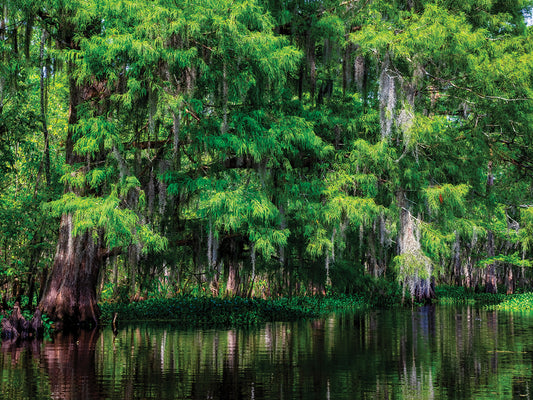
<point x="509" y="280"/>
<point x="232" y="249"/>
<point x="70" y="294"/>
<point x="233" y="278"/>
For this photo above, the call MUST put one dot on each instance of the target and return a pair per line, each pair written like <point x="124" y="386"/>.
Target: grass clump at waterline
<point x="460" y="295"/>
<point x="193" y="311"/>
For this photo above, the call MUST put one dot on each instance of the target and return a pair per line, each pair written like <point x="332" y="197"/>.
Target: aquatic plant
<point x="460" y="295"/>
<point x="517" y="302"/>
<point x="236" y="311"/>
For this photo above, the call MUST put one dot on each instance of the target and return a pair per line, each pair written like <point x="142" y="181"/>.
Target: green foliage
<point x="454" y="295"/>
<point x="179" y="127"/>
<point x="526" y="231"/>
<point x="121" y="226"/>
<point x="237" y="311"/>
<point x="204" y="311"/>
<point x="410" y="264"/>
<point x="517" y="303"/>
<point x="509" y="259"/>
<point x="448" y="200"/>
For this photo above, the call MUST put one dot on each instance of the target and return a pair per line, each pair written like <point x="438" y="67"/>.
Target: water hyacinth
<point x="237" y="311"/>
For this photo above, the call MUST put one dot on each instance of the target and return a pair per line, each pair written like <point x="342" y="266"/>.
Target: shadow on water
<point x="425" y="353"/>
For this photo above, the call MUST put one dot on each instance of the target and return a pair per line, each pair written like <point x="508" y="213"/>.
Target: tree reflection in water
<point x="69" y="361"/>
<point x="421" y="353"/>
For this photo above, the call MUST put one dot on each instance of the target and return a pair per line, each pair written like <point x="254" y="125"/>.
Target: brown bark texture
<point x="70" y="294"/>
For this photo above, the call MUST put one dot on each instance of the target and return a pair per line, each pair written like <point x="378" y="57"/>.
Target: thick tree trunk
<point x="232" y="249"/>
<point x="233" y="283"/>
<point x="70" y="294"/>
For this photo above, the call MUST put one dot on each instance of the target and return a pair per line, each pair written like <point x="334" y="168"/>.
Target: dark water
<point x="428" y="353"/>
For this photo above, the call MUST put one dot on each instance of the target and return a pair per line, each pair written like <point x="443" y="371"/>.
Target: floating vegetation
<point x="236" y="311"/>
<point x="516" y="302"/>
<point x="460" y="295"/>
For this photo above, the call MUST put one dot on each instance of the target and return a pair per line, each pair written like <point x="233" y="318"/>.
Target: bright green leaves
<point x="526" y="231"/>
<point x="435" y="242"/>
<point x="356" y="210"/>
<point x="245" y="209"/>
<point x="295" y="136"/>
<point x="319" y="242"/>
<point x="447" y="200"/>
<point x="508" y="259"/>
<point x="410" y="267"/>
<point x="216" y="119"/>
<point x="96" y="215"/>
<point x="94" y="135"/>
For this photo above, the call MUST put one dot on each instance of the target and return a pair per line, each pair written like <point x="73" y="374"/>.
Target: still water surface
<point x="426" y="353"/>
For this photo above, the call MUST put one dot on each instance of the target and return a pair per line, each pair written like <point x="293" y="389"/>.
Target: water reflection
<point x="424" y="353"/>
<point x="69" y="361"/>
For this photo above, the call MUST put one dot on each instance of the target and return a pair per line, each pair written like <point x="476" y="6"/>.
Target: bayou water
<point x="424" y="353"/>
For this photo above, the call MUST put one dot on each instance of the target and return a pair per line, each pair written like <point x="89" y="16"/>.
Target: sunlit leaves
<point x="95" y="135"/>
<point x="526" y="232"/>
<point x="447" y="199"/>
<point x="121" y="226"/>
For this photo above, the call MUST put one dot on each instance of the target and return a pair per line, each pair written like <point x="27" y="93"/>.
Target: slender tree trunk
<point x="310" y="45"/>
<point x="509" y="280"/>
<point x="490" y="273"/>
<point x="46" y="154"/>
<point x="457" y="268"/>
